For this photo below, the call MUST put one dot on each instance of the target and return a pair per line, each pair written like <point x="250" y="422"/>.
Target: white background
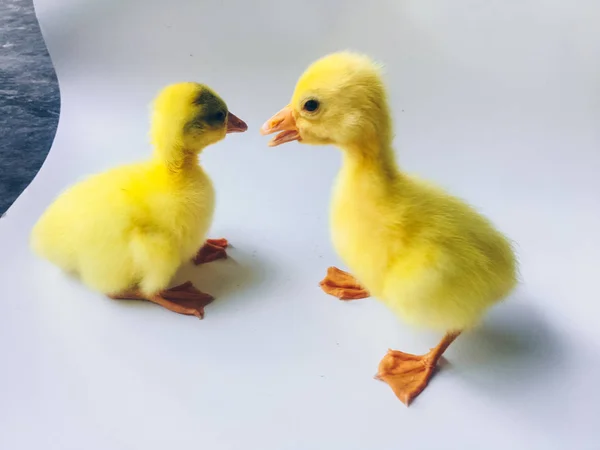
<point x="497" y="101"/>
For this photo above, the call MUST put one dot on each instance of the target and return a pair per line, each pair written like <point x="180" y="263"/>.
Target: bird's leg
<point x="212" y="250"/>
<point x="342" y="285"/>
<point x="182" y="299"/>
<point x="409" y="374"/>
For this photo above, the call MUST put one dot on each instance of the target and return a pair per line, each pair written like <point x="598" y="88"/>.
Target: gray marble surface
<point x="29" y="99"/>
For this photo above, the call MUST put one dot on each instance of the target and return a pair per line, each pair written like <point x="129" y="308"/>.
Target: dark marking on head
<point x="197" y="124"/>
<point x="214" y="110"/>
<point x="204" y="97"/>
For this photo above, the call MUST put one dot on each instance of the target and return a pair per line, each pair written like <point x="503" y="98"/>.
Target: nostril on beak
<point x="270" y="125"/>
<point x="276" y="122"/>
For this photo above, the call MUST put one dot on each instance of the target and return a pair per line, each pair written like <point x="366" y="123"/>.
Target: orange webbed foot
<point x="405" y="373"/>
<point x="182" y="299"/>
<point x="342" y="285"/>
<point x="408" y="374"/>
<point x="212" y="250"/>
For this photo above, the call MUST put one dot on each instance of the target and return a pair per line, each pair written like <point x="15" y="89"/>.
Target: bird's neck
<point x="375" y="159"/>
<point x="176" y="158"/>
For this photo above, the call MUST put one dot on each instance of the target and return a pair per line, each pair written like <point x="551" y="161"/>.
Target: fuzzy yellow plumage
<point x="427" y="255"/>
<point x="126" y="231"/>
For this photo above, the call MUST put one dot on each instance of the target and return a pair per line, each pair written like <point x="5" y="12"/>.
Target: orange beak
<point x="283" y="123"/>
<point x="235" y="124"/>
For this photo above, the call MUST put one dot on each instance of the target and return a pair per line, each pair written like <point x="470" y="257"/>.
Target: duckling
<point x="126" y="231"/>
<point x="429" y="256"/>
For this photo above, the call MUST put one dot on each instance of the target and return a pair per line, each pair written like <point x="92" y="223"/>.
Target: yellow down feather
<point x="426" y="254"/>
<point x="135" y="224"/>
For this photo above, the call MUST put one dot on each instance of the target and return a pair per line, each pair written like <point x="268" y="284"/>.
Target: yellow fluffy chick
<point x="427" y="255"/>
<point x="126" y="231"/>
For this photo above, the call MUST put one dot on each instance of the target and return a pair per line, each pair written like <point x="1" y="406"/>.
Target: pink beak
<point x="235" y="124"/>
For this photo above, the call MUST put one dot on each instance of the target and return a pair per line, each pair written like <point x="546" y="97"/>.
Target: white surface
<point x="497" y="101"/>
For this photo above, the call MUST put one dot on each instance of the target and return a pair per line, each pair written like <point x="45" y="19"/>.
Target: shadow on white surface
<point x="517" y="344"/>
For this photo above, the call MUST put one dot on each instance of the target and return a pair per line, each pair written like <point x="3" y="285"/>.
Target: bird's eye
<point x="311" y="105"/>
<point x="219" y="117"/>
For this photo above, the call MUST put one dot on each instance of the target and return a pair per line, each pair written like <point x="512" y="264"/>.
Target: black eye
<point x="219" y="117"/>
<point x="311" y="105"/>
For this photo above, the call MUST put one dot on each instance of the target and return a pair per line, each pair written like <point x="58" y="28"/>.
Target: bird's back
<point x="454" y="264"/>
<point x="89" y="228"/>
